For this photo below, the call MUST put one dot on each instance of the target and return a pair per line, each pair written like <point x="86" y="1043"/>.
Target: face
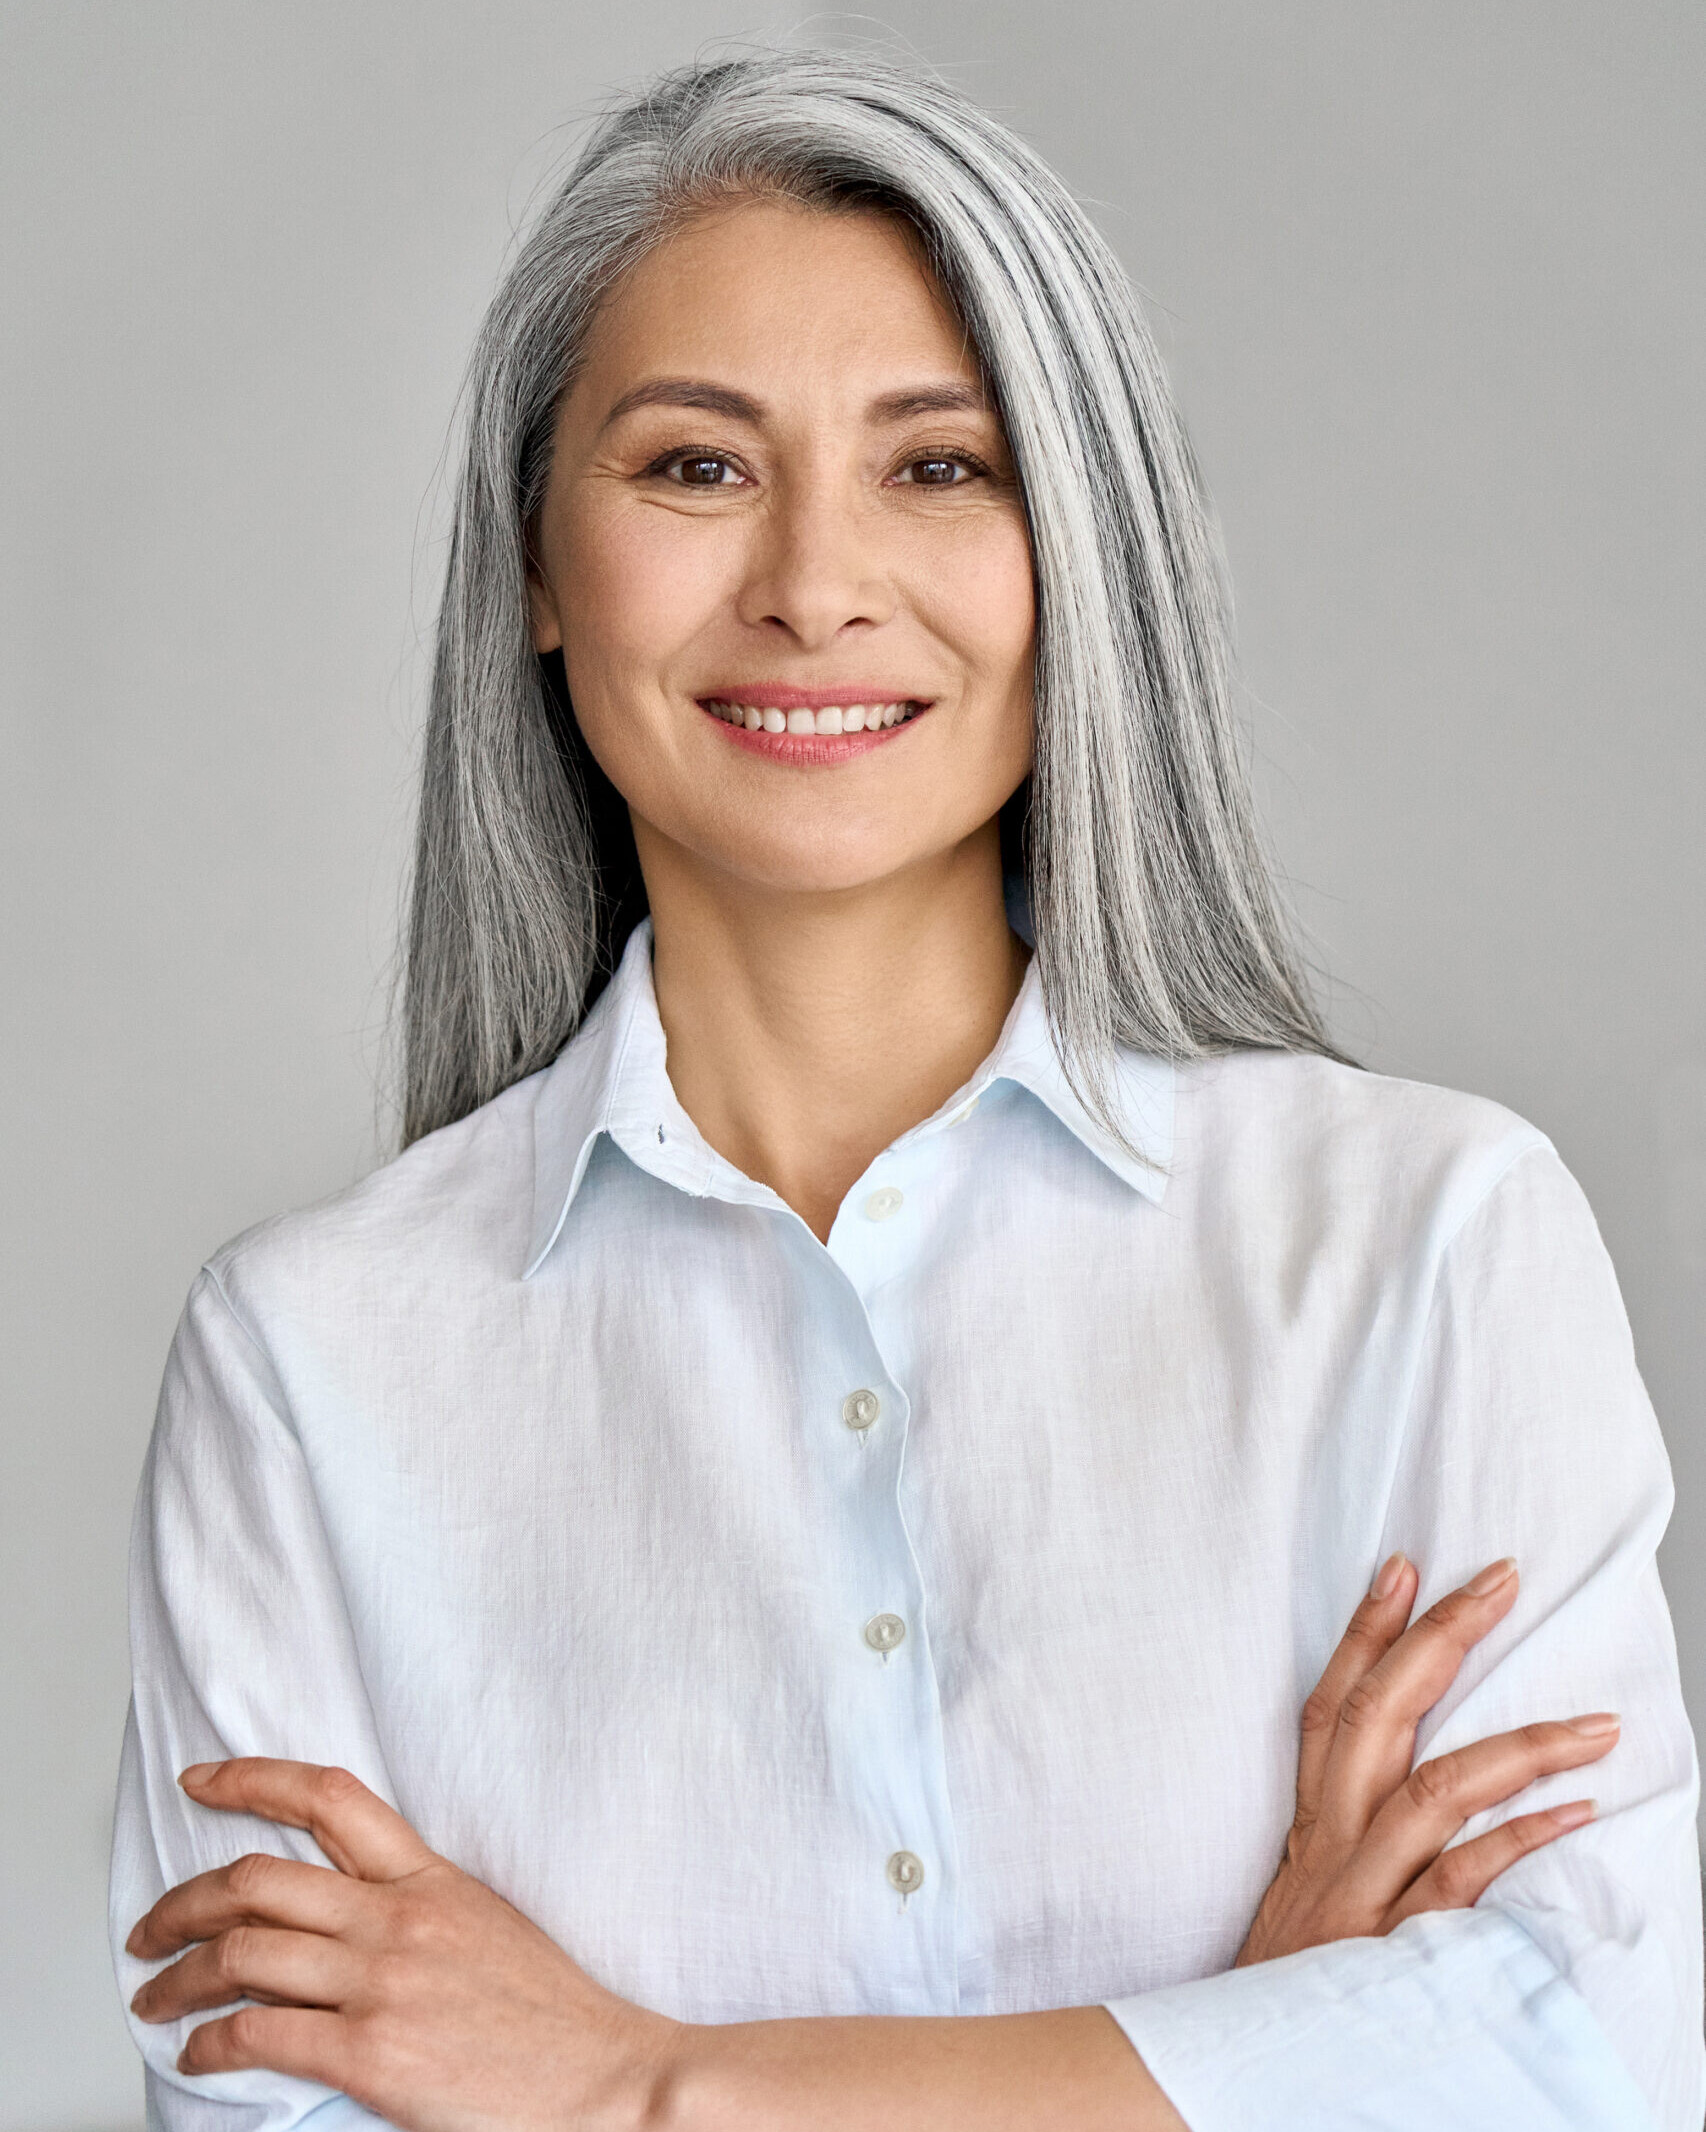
<point x="784" y="555"/>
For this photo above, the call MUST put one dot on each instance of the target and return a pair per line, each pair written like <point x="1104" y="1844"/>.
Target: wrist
<point x="641" y="2095"/>
<point x="717" y="2077"/>
<point x="674" y="2080"/>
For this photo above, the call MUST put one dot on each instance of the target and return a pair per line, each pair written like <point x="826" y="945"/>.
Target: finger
<point x="1371" y="1752"/>
<point x="286" y="2039"/>
<point x="358" y="1832"/>
<point x="1375" y="1626"/>
<point x="1429" y="1808"/>
<point x="257" y="1889"/>
<point x="1461" y="1876"/>
<point x="250" y="1961"/>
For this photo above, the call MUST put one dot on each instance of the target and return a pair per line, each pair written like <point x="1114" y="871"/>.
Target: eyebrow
<point x="947" y="398"/>
<point x="929" y="400"/>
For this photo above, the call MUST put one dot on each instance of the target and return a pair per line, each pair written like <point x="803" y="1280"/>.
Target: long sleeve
<point x="1570" y="1997"/>
<point x="241" y="1645"/>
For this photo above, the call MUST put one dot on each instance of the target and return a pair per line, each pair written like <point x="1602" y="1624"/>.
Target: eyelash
<point x="682" y="453"/>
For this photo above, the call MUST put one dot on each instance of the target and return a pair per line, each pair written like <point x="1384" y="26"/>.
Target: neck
<point x="806" y="1031"/>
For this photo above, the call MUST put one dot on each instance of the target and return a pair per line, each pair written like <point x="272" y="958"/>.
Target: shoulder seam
<point x="1532" y="1142"/>
<point x="242" y="1323"/>
<point x="1535" y="1141"/>
<point x="279" y="1401"/>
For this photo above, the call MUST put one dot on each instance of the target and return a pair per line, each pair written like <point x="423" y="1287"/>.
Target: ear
<point x="542" y="606"/>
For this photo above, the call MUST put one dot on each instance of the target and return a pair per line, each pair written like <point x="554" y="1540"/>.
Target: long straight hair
<point x="1151" y="903"/>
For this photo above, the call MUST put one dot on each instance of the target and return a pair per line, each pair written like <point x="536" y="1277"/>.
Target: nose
<point x="816" y="569"/>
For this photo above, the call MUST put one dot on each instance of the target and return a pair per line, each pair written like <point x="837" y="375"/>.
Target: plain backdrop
<point x="1429" y="282"/>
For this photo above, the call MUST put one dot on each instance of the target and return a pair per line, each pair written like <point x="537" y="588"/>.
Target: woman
<point x="805" y="1506"/>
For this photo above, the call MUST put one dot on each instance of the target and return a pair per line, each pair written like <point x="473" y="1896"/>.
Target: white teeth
<point x="833" y="718"/>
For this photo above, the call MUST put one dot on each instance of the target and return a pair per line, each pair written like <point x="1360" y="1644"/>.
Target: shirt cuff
<point x="342" y="2115"/>
<point x="172" y="2108"/>
<point x="1455" y="2018"/>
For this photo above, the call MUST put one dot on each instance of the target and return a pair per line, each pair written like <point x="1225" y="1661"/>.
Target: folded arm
<point x="405" y="1983"/>
<point x="1568" y="1998"/>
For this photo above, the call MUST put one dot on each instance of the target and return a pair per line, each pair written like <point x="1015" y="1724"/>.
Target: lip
<point x="809" y="750"/>
<point x="778" y="696"/>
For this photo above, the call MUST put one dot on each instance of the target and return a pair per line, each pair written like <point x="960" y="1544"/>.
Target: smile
<point x="830" y="718"/>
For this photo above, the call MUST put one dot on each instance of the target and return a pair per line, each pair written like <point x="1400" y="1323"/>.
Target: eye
<point x="938" y="471"/>
<point x="699" y="470"/>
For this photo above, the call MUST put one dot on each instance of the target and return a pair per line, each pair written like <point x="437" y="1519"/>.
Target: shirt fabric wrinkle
<point x="546" y="1491"/>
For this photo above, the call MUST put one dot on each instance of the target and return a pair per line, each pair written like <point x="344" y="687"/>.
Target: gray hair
<point x="1153" y="910"/>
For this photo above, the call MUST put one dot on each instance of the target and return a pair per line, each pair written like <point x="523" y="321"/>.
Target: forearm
<point x="860" y="2073"/>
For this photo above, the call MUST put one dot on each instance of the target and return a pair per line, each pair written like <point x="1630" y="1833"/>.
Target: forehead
<point x="788" y="290"/>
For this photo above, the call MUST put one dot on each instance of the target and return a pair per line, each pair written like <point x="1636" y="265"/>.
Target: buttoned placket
<point x="873" y="1247"/>
<point x="859" y="1419"/>
<point x="858" y="1293"/>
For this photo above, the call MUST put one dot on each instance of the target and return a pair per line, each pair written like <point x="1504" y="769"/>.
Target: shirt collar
<point x="611" y="1078"/>
<point x="1140" y="1088"/>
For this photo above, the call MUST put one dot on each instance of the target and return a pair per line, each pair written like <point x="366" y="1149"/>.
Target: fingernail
<point x="1495" y="1574"/>
<point x="1573" y="1815"/>
<point x="1596" y="1725"/>
<point x="133" y="1944"/>
<point x="1387" y="1582"/>
<point x="199" y="1772"/>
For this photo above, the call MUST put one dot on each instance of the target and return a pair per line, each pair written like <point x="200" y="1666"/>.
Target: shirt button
<point x="882" y="1203"/>
<point x="906" y="1872"/>
<point x="884" y="1631"/>
<point x="860" y="1409"/>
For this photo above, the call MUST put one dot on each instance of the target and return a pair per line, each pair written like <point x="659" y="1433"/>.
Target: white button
<point x="906" y="1872"/>
<point x="860" y="1409"/>
<point x="884" y="1631"/>
<point x="964" y="1112"/>
<point x="882" y="1203"/>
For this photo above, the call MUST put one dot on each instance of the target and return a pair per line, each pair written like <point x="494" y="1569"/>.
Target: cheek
<point x="979" y="595"/>
<point x="644" y="584"/>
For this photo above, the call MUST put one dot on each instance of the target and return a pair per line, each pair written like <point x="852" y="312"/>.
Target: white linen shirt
<point x="918" y="1623"/>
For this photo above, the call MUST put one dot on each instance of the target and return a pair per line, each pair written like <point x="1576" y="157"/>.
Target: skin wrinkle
<point x="848" y="912"/>
<point x="832" y="962"/>
<point x="1155" y="915"/>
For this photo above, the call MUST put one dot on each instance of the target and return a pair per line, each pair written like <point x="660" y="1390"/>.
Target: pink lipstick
<point x="809" y="726"/>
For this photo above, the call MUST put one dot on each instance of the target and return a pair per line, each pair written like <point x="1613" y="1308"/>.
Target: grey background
<point x="1429" y="282"/>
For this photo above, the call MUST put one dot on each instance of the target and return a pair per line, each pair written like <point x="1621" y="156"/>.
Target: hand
<point x="1367" y="1848"/>
<point x="396" y="1978"/>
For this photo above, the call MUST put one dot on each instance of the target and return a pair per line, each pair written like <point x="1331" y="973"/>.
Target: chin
<point x="811" y="876"/>
<point x="816" y="861"/>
